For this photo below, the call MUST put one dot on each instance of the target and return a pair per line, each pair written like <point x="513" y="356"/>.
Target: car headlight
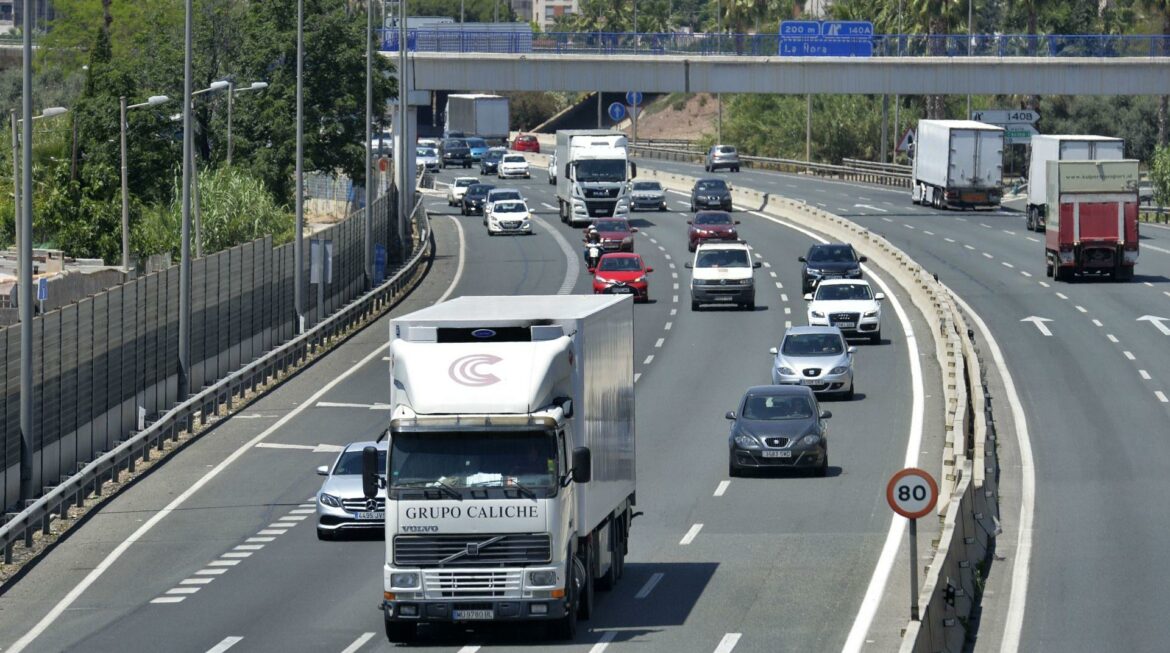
<point x="855" y="272"/>
<point x="787" y="371"/>
<point x="404" y="580"/>
<point x="330" y="500"/>
<point x="746" y="441"/>
<point x="810" y="439"/>
<point x="841" y="369"/>
<point x="816" y="314"/>
<point x="602" y="280"/>
<point x="542" y="578"/>
<point x="813" y="271"/>
<point x="638" y="280"/>
<point x="871" y="313"/>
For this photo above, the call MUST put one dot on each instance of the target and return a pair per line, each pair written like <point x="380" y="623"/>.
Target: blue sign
<point x="617" y="111"/>
<point x="633" y="98"/>
<point x="833" y="38"/>
<point x="42" y="289"/>
<point x="379" y="264"/>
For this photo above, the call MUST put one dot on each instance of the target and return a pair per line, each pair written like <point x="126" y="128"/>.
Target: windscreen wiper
<point x="426" y="485"/>
<point x="523" y="489"/>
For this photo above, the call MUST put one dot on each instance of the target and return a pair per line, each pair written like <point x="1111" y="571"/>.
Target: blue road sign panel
<point x="633" y="98"/>
<point x="42" y="289"/>
<point x="379" y="264"/>
<point x="847" y="28"/>
<point x="617" y="111"/>
<point x="834" y="38"/>
<point x="825" y="48"/>
<point x="799" y="28"/>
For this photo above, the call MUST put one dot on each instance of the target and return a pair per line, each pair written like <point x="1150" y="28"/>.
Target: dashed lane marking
<point x="1129" y="355"/>
<point x="779" y="285"/>
<point x="637" y="375"/>
<point x="358" y="643"/>
<point x="1112" y="338"/>
<point x="649" y="359"/>
<point x="787" y="310"/>
<point x="169" y="599"/>
<point x="887" y="219"/>
<point x="1035" y="240"/>
<point x="223" y="563"/>
<point x="178" y="591"/>
<point x="908" y="226"/>
<point x="668" y="325"/>
<point x="1098" y="323"/>
<point x="651" y="583"/>
<point x="928" y="233"/>
<point x="1045" y="284"/>
<point x="721" y="488"/>
<point x="767" y="264"/>
<point x="787" y="324"/>
<point x="659" y="342"/>
<point x="1009" y="232"/>
<point x="691" y="535"/>
<point x="949" y="240"/>
<point x="727" y="644"/>
<point x="1144" y="374"/>
<point x="1082" y="309"/>
<point x="211" y="572"/>
<point x="783" y="297"/>
<point x="969" y="247"/>
<point x="1025" y="273"/>
<point x="1161" y="396"/>
<point x="1007" y="265"/>
<point x="772" y="273"/>
<point x="196" y="581"/>
<point x="1062" y="295"/>
<point x="986" y="255"/>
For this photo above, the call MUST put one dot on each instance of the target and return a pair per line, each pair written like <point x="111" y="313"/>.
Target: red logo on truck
<point x="466" y="370"/>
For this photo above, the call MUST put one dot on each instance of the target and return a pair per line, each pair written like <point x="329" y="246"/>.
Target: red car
<point x="711" y="225"/>
<point x="526" y="143"/>
<point x="621" y="273"/>
<point x="616" y="234"/>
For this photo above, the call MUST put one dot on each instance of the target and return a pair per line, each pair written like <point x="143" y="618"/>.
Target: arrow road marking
<point x="1158" y="323"/>
<point x="1039" y="322"/>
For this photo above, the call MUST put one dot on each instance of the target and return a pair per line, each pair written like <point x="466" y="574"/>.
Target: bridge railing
<point x="451" y="39"/>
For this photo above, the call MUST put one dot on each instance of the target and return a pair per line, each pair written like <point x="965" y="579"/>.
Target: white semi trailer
<point x="957" y="164"/>
<point x="1062" y="148"/>
<point x="510" y="474"/>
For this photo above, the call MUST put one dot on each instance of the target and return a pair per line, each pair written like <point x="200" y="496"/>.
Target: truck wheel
<point x="1030" y="219"/>
<point x="1060" y="273"/>
<point x="1048" y="266"/>
<point x="566" y="627"/>
<point x="588" y="591"/>
<point x="399" y="632"/>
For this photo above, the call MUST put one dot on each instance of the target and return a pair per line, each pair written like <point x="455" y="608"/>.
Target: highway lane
<point x="1093" y="393"/>
<point x="295" y="593"/>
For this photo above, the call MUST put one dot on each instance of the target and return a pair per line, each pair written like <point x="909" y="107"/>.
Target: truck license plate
<point x="370" y="515"/>
<point x="777" y="454"/>
<point x="473" y="615"/>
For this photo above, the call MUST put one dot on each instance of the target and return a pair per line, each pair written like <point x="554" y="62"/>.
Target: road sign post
<point x="912" y="493"/>
<point x="634" y="99"/>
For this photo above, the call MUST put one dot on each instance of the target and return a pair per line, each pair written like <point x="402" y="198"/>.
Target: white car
<point x="848" y="304"/>
<point x="552" y="168"/>
<point x="427" y="157"/>
<point x="509" y="217"/>
<point x="513" y="165"/>
<point x="457" y="188"/>
<point x="495" y="195"/>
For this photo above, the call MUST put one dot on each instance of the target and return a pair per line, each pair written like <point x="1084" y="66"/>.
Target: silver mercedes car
<point x="341" y="504"/>
<point x="817" y="357"/>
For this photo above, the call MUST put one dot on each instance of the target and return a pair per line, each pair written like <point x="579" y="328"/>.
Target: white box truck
<point x="594" y="174"/>
<point x="1060" y="148"/>
<point x="957" y="163"/>
<point x="510" y="473"/>
<point x="485" y="116"/>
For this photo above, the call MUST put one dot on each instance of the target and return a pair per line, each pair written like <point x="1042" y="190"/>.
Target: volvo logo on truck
<point x="466" y="370"/>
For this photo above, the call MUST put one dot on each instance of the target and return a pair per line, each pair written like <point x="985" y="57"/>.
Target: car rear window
<point x="514" y="158"/>
<point x="727" y="149"/>
<point x="612" y="225"/>
<point x="505" y="194"/>
<point x="464" y="183"/>
<point x="712" y="184"/>
<point x="476" y="142"/>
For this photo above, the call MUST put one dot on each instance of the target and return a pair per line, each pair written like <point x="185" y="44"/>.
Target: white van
<point x="723" y="273"/>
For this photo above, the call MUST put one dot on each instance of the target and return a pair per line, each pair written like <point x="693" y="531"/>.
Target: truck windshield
<point x="601" y="170"/>
<point x="473" y="459"/>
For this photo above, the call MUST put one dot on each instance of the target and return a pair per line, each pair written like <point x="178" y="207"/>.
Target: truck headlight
<point x="404" y="580"/>
<point x="542" y="578"/>
<point x="330" y="500"/>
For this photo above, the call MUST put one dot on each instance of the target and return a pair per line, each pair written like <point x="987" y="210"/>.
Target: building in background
<point x="522" y="9"/>
<point x="545" y="12"/>
<point x="12" y="14"/>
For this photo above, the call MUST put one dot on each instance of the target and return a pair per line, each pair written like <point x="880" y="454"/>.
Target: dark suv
<point x="454" y="152"/>
<point x="829" y="261"/>
<point x="711" y="194"/>
<point x="475" y="198"/>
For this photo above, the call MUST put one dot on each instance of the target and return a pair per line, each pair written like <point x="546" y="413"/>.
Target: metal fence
<point x="887" y="174"/>
<point x="108" y="364"/>
<point x="768" y="45"/>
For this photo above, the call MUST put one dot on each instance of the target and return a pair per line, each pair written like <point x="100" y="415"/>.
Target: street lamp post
<point x="153" y="100"/>
<point x="232" y="90"/>
<point x="217" y="85"/>
<point x="368" y="227"/>
<point x="299" y="247"/>
<point x="185" y="247"/>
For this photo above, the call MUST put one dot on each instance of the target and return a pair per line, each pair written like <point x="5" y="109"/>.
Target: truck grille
<point x="471" y="550"/>
<point x="470" y="584"/>
<point x="603" y="208"/>
<point x="600" y="192"/>
<point x="362" y="504"/>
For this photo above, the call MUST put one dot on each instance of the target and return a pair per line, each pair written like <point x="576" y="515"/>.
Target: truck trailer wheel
<point x="401" y="632"/>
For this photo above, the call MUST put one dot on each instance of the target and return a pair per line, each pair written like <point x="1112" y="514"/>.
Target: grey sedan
<point x="778" y="427"/>
<point x="341" y="504"/>
<point x="815" y="357"/>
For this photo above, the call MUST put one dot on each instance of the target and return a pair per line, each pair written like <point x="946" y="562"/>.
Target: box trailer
<point x="1092" y="219"/>
<point x="1047" y="148"/>
<point x="957" y="164"/>
<point x="485" y="116"/>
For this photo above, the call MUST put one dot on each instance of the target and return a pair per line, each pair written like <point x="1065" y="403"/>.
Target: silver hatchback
<point x="341" y="503"/>
<point x="722" y="156"/>
<point x="816" y="357"/>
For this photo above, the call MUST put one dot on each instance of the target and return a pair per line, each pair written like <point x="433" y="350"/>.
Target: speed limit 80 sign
<point x="912" y="493"/>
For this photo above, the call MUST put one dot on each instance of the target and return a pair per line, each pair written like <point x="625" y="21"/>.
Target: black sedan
<point x="710" y="194"/>
<point x="778" y="427"/>
<point x="489" y="163"/>
<point x="474" y="199"/>
<point x="829" y="261"/>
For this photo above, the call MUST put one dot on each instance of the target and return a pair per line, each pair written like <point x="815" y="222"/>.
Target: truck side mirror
<point x="756" y="265"/>
<point x="568" y="171"/>
<point x="582" y="465"/>
<point x="370" y="472"/>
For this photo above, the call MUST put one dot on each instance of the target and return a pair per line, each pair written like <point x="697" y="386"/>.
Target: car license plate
<point x="723" y="298"/>
<point x="622" y="289"/>
<point x="777" y="454"/>
<point x="473" y="615"/>
<point x="845" y="325"/>
<point x="812" y="382"/>
<point x="370" y="515"/>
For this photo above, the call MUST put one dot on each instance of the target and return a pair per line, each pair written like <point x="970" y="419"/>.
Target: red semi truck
<point x="1092" y="219"/>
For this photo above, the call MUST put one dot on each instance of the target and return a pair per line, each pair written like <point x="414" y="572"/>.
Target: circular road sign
<point x="634" y="98"/>
<point x="912" y="493"/>
<point x="617" y="111"/>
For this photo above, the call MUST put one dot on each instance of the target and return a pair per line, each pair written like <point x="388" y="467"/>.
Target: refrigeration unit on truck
<point x="510" y="474"/>
<point x="595" y="169"/>
<point x="957" y="164"/>
<point x="485" y="116"/>
<point x="1047" y="148"/>
<point x="1092" y="219"/>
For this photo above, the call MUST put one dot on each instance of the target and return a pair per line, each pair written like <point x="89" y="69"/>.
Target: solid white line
<point x="603" y="643"/>
<point x="358" y="643"/>
<point x="178" y="501"/>
<point x="1082" y="309"/>
<point x="546" y="204"/>
<point x="659" y="342"/>
<point x="1145" y="375"/>
<point x="195" y="581"/>
<point x="1156" y="249"/>
<point x="649" y="359"/>
<point x="723" y="485"/>
<point x="227" y="643"/>
<point x="169" y="599"/>
<point x="458" y="265"/>
<point x="336" y="404"/>
<point x="691" y="534"/>
<point x="1129" y="355"/>
<point x="655" y="578"/>
<point x="727" y="644"/>
<point x="1098" y="323"/>
<point x="280" y="445"/>
<point x="573" y="269"/>
<point x="1112" y="338"/>
<point x="1161" y="396"/>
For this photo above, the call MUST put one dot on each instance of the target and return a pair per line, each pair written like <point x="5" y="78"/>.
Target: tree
<point x="1161" y="7"/>
<point x="1160" y="175"/>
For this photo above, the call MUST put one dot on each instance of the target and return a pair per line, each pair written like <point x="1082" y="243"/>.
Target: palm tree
<point x="934" y="18"/>
<point x="1162" y="7"/>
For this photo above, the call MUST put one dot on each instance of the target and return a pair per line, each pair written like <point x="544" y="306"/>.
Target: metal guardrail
<point x="768" y="45"/>
<point x="843" y="172"/>
<point x="878" y="166"/>
<point x="198" y="409"/>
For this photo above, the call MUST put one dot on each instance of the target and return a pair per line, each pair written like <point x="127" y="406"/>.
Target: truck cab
<point x="593" y="174"/>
